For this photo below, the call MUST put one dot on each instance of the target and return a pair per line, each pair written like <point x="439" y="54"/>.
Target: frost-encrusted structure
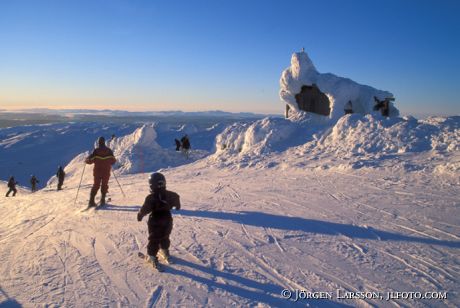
<point x="340" y="91"/>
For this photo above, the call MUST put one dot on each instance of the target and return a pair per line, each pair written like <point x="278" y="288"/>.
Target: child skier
<point x="159" y="204"/>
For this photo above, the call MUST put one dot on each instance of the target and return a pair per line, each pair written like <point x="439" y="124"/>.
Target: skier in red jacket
<point x="103" y="159"/>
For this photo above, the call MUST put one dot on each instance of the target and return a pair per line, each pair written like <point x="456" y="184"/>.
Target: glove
<point x="139" y="217"/>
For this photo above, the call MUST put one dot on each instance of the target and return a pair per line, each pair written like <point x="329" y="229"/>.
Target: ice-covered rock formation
<point x="328" y="92"/>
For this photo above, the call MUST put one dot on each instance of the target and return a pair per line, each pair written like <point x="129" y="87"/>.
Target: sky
<point x="223" y="55"/>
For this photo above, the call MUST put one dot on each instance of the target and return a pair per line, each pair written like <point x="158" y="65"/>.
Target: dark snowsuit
<point x="103" y="159"/>
<point x="185" y="143"/>
<point x="382" y="106"/>
<point x="60" y="175"/>
<point x="33" y="182"/>
<point x="159" y="204"/>
<point x="177" y="144"/>
<point x="12" y="187"/>
<point x="185" y="146"/>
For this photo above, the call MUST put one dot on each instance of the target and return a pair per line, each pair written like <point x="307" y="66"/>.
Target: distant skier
<point x="33" y="182"/>
<point x="103" y="159"/>
<point x="177" y="144"/>
<point x="348" y="109"/>
<point x="159" y="204"/>
<point x="60" y="174"/>
<point x="12" y="186"/>
<point x="185" y="145"/>
<point x="383" y="106"/>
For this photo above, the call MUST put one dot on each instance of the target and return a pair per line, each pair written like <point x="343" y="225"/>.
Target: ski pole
<point x="83" y="172"/>
<point x="118" y="184"/>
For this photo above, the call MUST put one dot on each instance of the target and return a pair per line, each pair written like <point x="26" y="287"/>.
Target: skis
<point x="156" y="266"/>
<point x="97" y="206"/>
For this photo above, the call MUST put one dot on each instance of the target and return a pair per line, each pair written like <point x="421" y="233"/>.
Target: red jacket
<point x="103" y="159"/>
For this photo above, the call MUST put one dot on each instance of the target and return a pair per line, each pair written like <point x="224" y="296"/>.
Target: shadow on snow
<point x="252" y="290"/>
<point x="265" y="220"/>
<point x="121" y="208"/>
<point x="9" y="302"/>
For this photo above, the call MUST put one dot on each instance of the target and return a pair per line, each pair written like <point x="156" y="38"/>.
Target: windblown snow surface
<point x="369" y="206"/>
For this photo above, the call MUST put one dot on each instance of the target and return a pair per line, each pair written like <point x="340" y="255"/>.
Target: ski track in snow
<point x="241" y="238"/>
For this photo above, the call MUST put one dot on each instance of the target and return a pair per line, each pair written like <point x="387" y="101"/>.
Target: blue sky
<point x="227" y="55"/>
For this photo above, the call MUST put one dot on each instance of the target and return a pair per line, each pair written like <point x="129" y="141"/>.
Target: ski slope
<point x="242" y="237"/>
<point x="365" y="208"/>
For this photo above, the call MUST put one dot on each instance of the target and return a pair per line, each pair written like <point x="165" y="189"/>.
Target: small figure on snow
<point x="103" y="159"/>
<point x="348" y="108"/>
<point x="33" y="182"/>
<point x="177" y="144"/>
<point x="12" y="186"/>
<point x="60" y="174"/>
<point x="159" y="204"/>
<point x="185" y="145"/>
<point x="383" y="106"/>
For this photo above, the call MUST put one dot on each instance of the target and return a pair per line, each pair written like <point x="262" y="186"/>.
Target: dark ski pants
<point x="159" y="232"/>
<point x="60" y="183"/>
<point x="100" y="182"/>
<point x="14" y="190"/>
<point x="154" y="245"/>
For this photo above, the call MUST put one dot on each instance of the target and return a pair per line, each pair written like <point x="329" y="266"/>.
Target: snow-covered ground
<point x="368" y="205"/>
<point x="40" y="149"/>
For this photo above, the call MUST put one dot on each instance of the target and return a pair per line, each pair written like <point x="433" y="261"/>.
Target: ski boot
<point x="154" y="261"/>
<point x="91" y="202"/>
<point x="164" y="254"/>
<point x="102" y="200"/>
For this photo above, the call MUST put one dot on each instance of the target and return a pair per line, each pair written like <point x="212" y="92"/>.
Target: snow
<point x="139" y="152"/>
<point x="57" y="144"/>
<point x="367" y="204"/>
<point x="354" y="141"/>
<point x="40" y="149"/>
<point x="338" y="89"/>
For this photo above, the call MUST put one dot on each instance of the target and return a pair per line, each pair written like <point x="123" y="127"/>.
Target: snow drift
<point x="368" y="141"/>
<point x="338" y="90"/>
<point x="139" y="152"/>
<point x="354" y="141"/>
<point x="355" y="134"/>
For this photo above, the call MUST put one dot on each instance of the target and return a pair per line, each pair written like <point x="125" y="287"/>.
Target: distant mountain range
<point x="109" y="112"/>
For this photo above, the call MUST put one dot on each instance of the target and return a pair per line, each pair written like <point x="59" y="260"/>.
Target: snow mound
<point x="74" y="172"/>
<point x="248" y="143"/>
<point x="355" y="134"/>
<point x="398" y="143"/>
<point x="355" y="141"/>
<point x="139" y="152"/>
<point x="339" y="90"/>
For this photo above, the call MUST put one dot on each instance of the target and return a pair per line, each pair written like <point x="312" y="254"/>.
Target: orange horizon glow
<point x="128" y="107"/>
